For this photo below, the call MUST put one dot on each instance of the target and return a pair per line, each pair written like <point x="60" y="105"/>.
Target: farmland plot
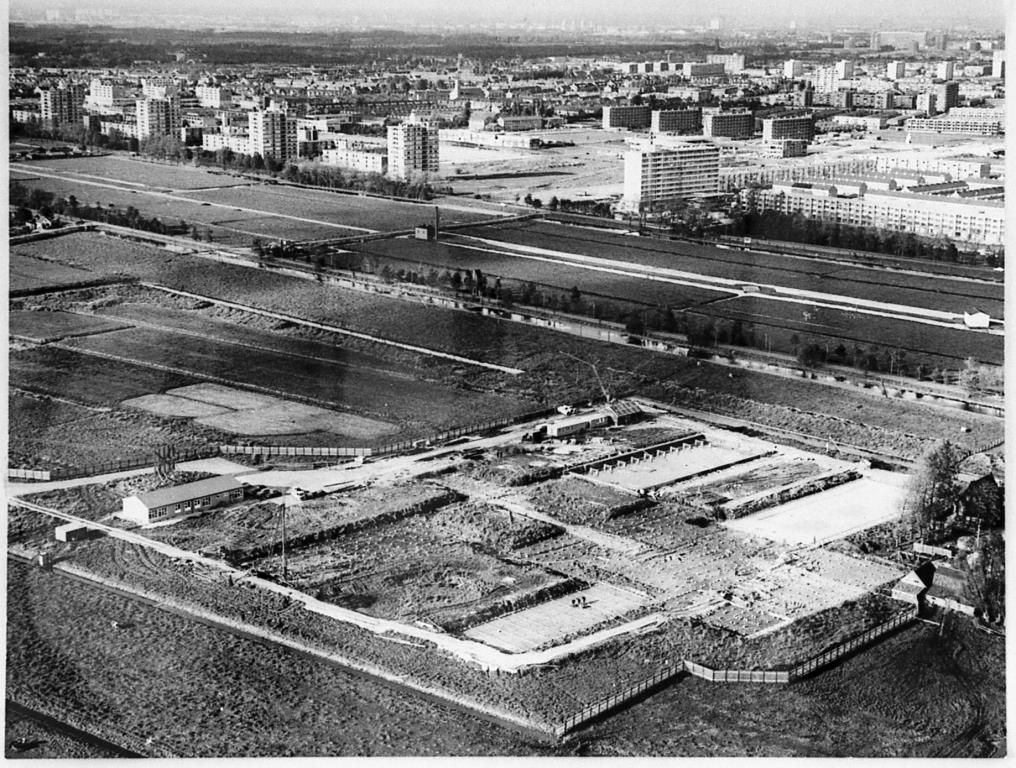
<point x="29" y="274"/>
<point x="415" y="405"/>
<point x="756" y="268"/>
<point x="51" y="326"/>
<point x="355" y="211"/>
<point x="131" y="172"/>
<point x="411" y="254"/>
<point x="933" y="344"/>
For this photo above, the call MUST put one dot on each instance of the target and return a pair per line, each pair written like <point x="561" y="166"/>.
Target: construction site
<point x="493" y="572"/>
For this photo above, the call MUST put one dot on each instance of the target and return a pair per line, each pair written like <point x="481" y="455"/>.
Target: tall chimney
<point x="437" y="222"/>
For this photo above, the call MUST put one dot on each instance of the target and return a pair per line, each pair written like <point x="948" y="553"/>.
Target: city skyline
<point x="719" y="14"/>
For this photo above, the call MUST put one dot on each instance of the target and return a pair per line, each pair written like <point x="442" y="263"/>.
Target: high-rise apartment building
<point x="658" y="173"/>
<point x="213" y="96"/>
<point x="844" y="69"/>
<point x="61" y="104"/>
<point x="412" y="146"/>
<point x="947" y="95"/>
<point x="944" y="70"/>
<point x="998" y="63"/>
<point x="896" y="70"/>
<point x="157" y="117"/>
<point x="272" y="134"/>
<point x="798" y="127"/>
<point x="733" y="63"/>
<point x="676" y="121"/>
<point x="793" y="68"/>
<point x="731" y="125"/>
<point x="622" y="116"/>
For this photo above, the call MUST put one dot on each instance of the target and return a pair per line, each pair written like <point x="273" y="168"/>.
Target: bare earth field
<point x="832" y="514"/>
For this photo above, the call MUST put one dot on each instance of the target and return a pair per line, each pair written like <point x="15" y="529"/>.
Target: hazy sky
<point x="672" y="13"/>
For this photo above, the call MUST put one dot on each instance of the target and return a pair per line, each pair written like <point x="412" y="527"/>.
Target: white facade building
<point x="272" y="134"/>
<point x="412" y="146"/>
<point x="157" y="117"/>
<point x="656" y="173"/>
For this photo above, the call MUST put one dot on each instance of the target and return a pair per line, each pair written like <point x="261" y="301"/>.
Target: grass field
<point x="202" y="197"/>
<point x="416" y="406"/>
<point x="131" y="172"/>
<point x="51" y="326"/>
<point x="201" y="692"/>
<point x="756" y="268"/>
<point x="28" y="274"/>
<point x="86" y="379"/>
<point x="410" y="254"/>
<point x="932" y="344"/>
<point x="45" y="434"/>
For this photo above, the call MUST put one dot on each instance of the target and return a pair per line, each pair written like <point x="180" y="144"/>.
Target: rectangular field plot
<point x="410" y="254"/>
<point x="50" y="326"/>
<point x="30" y="274"/>
<point x="255" y="530"/>
<point x="131" y="172"/>
<point x="556" y="619"/>
<point x="756" y="478"/>
<point x="750" y="267"/>
<point x="86" y="379"/>
<point x="782" y="319"/>
<point x="378" y="398"/>
<point x="811" y="583"/>
<point x="680" y="463"/>
<point x="835" y="513"/>
<point x="337" y="209"/>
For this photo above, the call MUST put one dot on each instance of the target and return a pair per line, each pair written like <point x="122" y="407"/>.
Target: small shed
<point x="912" y="587"/>
<point x="625" y="411"/>
<point x="72" y="532"/>
<point x="578" y="423"/>
<point x="976" y="319"/>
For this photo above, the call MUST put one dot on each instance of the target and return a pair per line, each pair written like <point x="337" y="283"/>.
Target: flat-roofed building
<point x="656" y="173"/>
<point x="213" y="96"/>
<point x="797" y="127"/>
<point x="731" y="125"/>
<point x="977" y="222"/>
<point x="413" y="146"/>
<point x="682" y="121"/>
<point x="632" y="117"/>
<point x="357" y="159"/>
<point x="970" y="126"/>
<point x="694" y="69"/>
<point x="61" y="104"/>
